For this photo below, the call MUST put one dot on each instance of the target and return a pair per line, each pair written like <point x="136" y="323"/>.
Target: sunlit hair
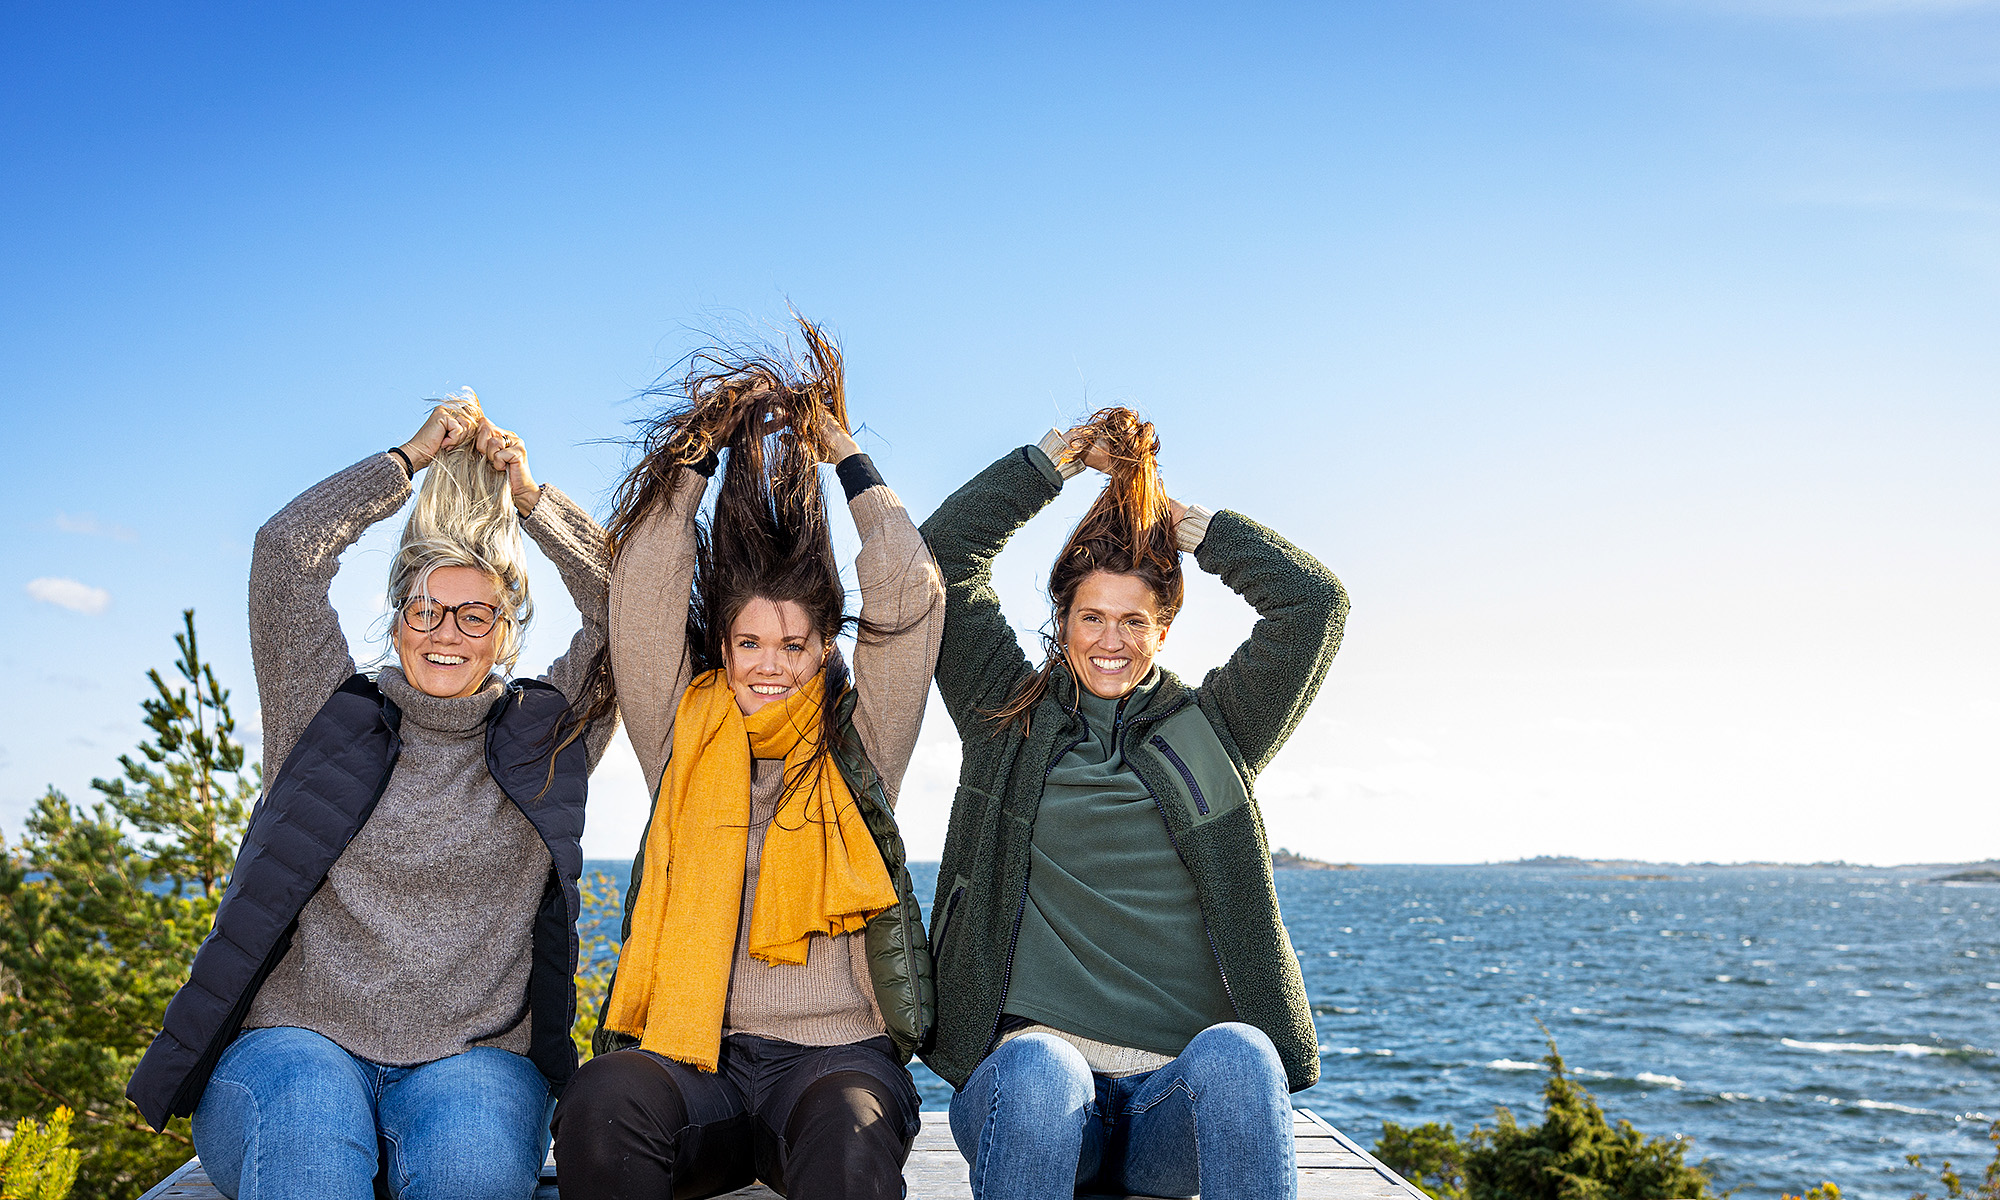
<point x="768" y="535"/>
<point x="1128" y="531"/>
<point x="464" y="517"/>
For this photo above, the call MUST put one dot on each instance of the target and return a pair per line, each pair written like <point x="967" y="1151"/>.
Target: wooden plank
<point x="188" y="1182"/>
<point x="1331" y="1167"/>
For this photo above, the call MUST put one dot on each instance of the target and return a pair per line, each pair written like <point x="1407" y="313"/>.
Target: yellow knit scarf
<point x="821" y="872"/>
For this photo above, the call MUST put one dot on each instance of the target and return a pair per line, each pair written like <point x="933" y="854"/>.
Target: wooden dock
<point x="1331" y="1167"/>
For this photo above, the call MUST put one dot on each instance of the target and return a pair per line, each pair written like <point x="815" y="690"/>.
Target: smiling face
<point x="1112" y="633"/>
<point x="772" y="650"/>
<point x="444" y="662"/>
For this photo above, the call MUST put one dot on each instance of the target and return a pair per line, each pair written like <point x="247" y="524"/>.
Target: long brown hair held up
<point x="773" y="413"/>
<point x="1129" y="530"/>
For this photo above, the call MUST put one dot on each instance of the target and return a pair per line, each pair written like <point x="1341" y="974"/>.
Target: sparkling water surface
<point x="1797" y="1024"/>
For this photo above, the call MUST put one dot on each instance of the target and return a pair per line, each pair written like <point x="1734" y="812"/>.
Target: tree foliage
<point x="37" y="1163"/>
<point x="1987" y="1187"/>
<point x="97" y="931"/>
<point x="176" y="790"/>
<point x="1574" y="1154"/>
<point x="597" y="953"/>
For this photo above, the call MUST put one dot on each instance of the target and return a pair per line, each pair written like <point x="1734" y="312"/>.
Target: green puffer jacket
<point x="899" y="959"/>
<point x="1196" y="749"/>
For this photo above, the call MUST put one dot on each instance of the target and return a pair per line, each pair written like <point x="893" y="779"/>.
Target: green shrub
<point x="1574" y="1154"/>
<point x="37" y="1163"/>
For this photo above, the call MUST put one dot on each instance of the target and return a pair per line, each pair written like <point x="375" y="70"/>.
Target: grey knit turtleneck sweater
<point x="419" y="944"/>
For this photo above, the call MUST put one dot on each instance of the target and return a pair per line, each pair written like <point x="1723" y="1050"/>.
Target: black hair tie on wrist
<point x="408" y="469"/>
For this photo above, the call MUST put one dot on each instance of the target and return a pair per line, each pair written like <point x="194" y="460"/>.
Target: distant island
<point x="1284" y="860"/>
<point x="1976" y="872"/>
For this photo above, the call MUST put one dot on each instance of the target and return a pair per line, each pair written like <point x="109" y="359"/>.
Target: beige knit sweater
<point x="827" y="1001"/>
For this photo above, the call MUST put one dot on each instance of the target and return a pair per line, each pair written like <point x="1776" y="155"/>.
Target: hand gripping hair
<point x="1128" y="531"/>
<point x="464" y="517"/>
<point x="772" y="410"/>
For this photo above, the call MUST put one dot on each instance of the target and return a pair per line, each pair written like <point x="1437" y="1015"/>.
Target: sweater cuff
<point x="857" y="474"/>
<point x="1053" y="446"/>
<point x="1193" y="527"/>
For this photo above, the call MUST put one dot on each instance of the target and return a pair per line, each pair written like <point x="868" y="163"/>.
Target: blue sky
<point x="1634" y="363"/>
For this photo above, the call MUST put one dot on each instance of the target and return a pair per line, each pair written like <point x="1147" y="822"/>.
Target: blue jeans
<point x="1034" y="1122"/>
<point x="289" y="1113"/>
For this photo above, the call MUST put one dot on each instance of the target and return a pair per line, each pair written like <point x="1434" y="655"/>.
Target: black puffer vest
<point x="321" y="798"/>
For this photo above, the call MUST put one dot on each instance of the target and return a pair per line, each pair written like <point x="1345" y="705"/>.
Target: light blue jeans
<point x="289" y="1113"/>
<point x="1034" y="1122"/>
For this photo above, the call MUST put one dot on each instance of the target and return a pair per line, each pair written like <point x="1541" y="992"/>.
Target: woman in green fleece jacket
<point x="1118" y="1002"/>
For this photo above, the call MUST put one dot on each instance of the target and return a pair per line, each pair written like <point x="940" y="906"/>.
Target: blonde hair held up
<point x="464" y="517"/>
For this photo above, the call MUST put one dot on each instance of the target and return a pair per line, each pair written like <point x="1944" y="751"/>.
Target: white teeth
<point x="1110" y="664"/>
<point x="770" y="689"/>
<point x="444" y="660"/>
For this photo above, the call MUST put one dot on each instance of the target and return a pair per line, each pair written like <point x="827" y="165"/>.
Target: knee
<point x="616" y="1104"/>
<point x="287" y="1069"/>
<point x="616" y="1088"/>
<point x="1038" y="1081"/>
<point x="1042" y="1069"/>
<point x="847" y="1121"/>
<point x="1236" y="1057"/>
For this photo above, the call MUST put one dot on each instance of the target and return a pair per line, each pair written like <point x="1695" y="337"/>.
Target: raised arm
<point x="980" y="662"/>
<point x="651" y="581"/>
<point x="902" y="597"/>
<point x="297" y="650"/>
<point x="1263" y="690"/>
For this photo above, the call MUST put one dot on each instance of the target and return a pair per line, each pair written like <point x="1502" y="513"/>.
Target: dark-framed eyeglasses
<point x="475" y="618"/>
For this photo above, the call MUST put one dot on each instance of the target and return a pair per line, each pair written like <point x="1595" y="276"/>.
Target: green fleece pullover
<point x="1196" y="750"/>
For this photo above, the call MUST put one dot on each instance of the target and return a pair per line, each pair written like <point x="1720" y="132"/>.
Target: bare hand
<point x="1176" y="512"/>
<point x="1096" y="455"/>
<point x="505" y="452"/>
<point x="839" y="444"/>
<point x="447" y="426"/>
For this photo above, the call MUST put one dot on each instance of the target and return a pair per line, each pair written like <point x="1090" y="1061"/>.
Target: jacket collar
<point x="1059" y="703"/>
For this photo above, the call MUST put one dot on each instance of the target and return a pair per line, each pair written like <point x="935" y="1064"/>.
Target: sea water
<point x="1796" y="1025"/>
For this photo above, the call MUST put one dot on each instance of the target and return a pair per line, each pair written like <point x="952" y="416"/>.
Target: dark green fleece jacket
<point x="1196" y="749"/>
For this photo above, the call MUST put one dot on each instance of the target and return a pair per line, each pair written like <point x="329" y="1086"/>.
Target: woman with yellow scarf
<point x="774" y="976"/>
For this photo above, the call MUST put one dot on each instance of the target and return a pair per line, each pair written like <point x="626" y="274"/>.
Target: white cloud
<point x="69" y="594"/>
<point x="90" y="526"/>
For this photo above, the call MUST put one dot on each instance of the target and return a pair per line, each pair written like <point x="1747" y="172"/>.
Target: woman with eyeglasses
<point x="387" y="996"/>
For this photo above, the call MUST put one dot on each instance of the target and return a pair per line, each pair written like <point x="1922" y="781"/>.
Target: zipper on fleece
<point x="1187" y="776"/>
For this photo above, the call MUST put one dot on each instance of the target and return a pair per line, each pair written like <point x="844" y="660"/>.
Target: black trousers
<point x="811" y="1122"/>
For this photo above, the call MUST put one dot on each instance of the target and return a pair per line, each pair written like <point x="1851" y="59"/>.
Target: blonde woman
<point x="387" y="995"/>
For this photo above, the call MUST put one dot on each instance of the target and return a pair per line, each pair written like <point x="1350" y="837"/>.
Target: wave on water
<point x="1646" y="1077"/>
<point x="1879" y="1106"/>
<point x="1912" y="1049"/>
<point x="1901" y="1108"/>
